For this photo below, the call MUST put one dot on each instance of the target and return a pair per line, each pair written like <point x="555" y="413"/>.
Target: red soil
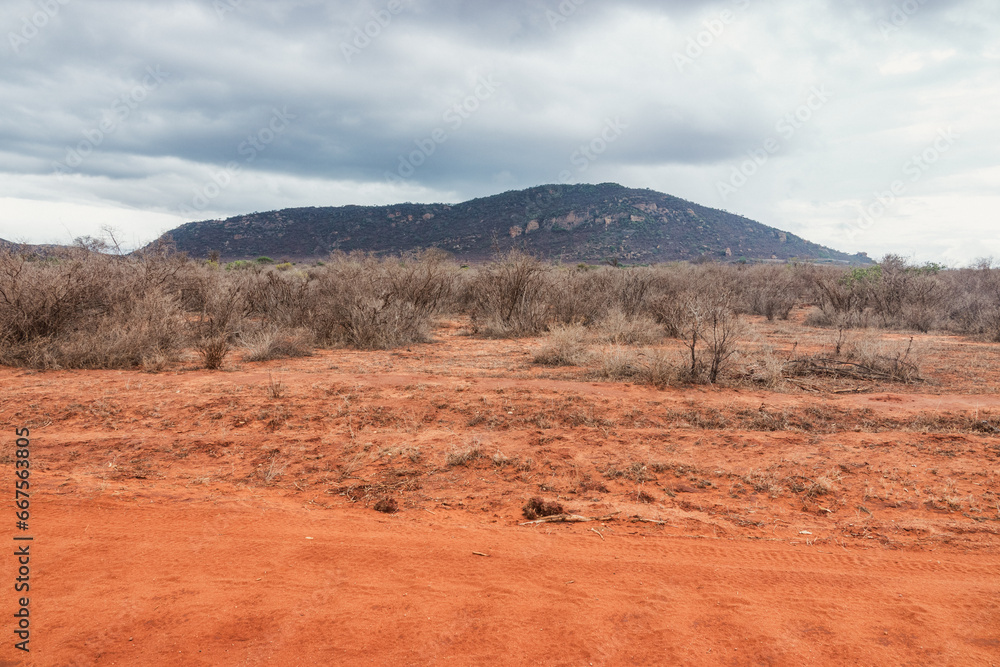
<point x="217" y="518"/>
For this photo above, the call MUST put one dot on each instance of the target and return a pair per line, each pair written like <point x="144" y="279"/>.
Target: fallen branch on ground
<point x="569" y="518"/>
<point x="888" y="369"/>
<point x="639" y="518"/>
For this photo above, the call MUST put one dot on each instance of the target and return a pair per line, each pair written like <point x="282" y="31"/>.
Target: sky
<point x="863" y="125"/>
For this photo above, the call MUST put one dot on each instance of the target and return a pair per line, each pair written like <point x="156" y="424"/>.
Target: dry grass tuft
<point x="617" y="362"/>
<point x="464" y="457"/>
<point x="278" y="343"/>
<point x="621" y="329"/>
<point x="564" y="346"/>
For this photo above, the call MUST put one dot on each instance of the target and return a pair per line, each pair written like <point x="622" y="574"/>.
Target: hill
<point x="38" y="250"/>
<point x="570" y="223"/>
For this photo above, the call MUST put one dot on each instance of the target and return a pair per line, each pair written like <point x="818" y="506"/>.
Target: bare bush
<point x="506" y="299"/>
<point x="623" y="329"/>
<point x="769" y="290"/>
<point x="631" y="289"/>
<point x="213" y="350"/>
<point x="277" y="343"/>
<point x="584" y="294"/>
<point x="563" y="346"/>
<point x="974" y="300"/>
<point x="82" y="309"/>
<point x="765" y="367"/>
<point x="365" y="303"/>
<point x="711" y="331"/>
<point x="617" y="362"/>
<point x="896" y="360"/>
<point x="224" y="311"/>
<point x="890" y="294"/>
<point x="660" y="368"/>
<point x="667" y="296"/>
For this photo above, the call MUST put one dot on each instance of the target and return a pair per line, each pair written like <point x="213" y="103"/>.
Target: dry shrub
<point x="275" y="468"/>
<point x="824" y="484"/>
<point x="711" y="331"/>
<point x="661" y="368"/>
<point x="464" y="457"/>
<point x="618" y="363"/>
<point x="506" y="299"/>
<point x="769" y="290"/>
<point x="582" y="295"/>
<point x="563" y="346"/>
<point x="896" y="359"/>
<point x="631" y="289"/>
<point x="275" y="388"/>
<point x="974" y="300"/>
<point x="667" y="296"/>
<point x="637" y="472"/>
<point x="537" y="508"/>
<point x="142" y="332"/>
<point x="889" y="294"/>
<point x="587" y="485"/>
<point x="589" y="294"/>
<point x="84" y="309"/>
<point x="277" y="343"/>
<point x="865" y="357"/>
<point x="224" y="311"/>
<point x="366" y="303"/>
<point x="763" y="365"/>
<point x="620" y="328"/>
<point x="276" y="296"/>
<point x="213" y="351"/>
<point x="764" y="481"/>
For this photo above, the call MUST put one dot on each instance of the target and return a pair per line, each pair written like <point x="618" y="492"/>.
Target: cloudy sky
<point x="865" y="125"/>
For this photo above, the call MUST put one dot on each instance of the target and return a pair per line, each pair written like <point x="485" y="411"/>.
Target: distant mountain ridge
<point x="39" y="250"/>
<point x="569" y="223"/>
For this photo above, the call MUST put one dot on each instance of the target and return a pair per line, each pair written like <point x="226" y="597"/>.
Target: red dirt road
<point x="237" y="582"/>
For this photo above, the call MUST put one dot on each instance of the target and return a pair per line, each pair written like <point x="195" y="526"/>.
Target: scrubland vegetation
<point x="88" y="309"/>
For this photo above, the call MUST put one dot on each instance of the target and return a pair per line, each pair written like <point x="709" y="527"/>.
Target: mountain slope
<point x="39" y="250"/>
<point x="570" y="223"/>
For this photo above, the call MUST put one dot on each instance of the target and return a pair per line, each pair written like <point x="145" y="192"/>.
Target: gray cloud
<point x="697" y="88"/>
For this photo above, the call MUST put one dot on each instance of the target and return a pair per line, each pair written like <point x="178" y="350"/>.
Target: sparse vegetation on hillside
<point x="571" y="223"/>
